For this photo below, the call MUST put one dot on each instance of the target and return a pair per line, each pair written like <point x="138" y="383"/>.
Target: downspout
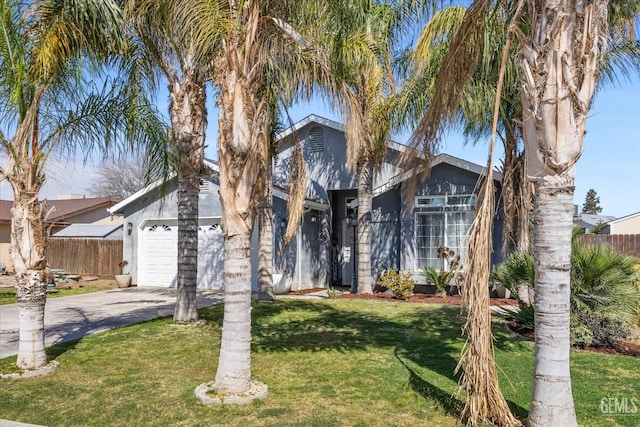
<point x="298" y="254"/>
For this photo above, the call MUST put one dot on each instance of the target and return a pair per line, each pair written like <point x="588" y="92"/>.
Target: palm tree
<point x="253" y="38"/>
<point x="474" y="116"/>
<point x="48" y="104"/>
<point x="561" y="48"/>
<point x="160" y="47"/>
<point x="362" y="55"/>
<point x="363" y="49"/>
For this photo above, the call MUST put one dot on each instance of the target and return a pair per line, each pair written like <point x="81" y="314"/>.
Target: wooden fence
<point x="624" y="243"/>
<point x="85" y="256"/>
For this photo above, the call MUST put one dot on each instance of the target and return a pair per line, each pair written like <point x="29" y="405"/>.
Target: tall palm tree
<point x="561" y="48"/>
<point x="160" y="47"/>
<point x="50" y="50"/>
<point x="254" y="38"/>
<point x="474" y="116"/>
<point x="363" y="56"/>
<point x="368" y="36"/>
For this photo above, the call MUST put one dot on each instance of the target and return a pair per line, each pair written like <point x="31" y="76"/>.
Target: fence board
<point x="85" y="256"/>
<point x="624" y="243"/>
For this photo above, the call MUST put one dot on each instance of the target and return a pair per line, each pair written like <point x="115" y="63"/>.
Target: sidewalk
<point x="73" y="317"/>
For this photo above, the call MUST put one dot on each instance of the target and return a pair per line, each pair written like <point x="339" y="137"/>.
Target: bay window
<point x="442" y="221"/>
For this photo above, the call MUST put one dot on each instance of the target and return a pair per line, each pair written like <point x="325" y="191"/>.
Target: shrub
<point x="515" y="270"/>
<point x="599" y="329"/>
<point x="524" y="315"/>
<point x="441" y="277"/>
<point x="400" y="282"/>
<point x="605" y="297"/>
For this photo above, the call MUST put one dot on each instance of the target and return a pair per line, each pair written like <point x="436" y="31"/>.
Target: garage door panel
<point x="210" y="255"/>
<point x="159" y="255"/>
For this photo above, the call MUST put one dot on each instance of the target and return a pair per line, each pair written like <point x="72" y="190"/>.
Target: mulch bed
<point x="426" y="298"/>
<point x="623" y="347"/>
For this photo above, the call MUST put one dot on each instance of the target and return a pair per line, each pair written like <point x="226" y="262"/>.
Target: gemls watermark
<point x="619" y="405"/>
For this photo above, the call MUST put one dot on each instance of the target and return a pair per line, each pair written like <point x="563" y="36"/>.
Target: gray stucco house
<point x="405" y="235"/>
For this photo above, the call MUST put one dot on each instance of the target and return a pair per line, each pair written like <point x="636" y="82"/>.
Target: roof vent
<point x="316" y="140"/>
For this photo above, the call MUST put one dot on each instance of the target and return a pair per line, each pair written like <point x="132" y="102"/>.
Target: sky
<point x="610" y="163"/>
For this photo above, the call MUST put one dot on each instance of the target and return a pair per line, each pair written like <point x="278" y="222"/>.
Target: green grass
<point x="8" y="296"/>
<point x="327" y="363"/>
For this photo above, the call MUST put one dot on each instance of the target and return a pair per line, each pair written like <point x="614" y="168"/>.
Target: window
<point x="204" y="186"/>
<point x="442" y="221"/>
<point x="316" y="140"/>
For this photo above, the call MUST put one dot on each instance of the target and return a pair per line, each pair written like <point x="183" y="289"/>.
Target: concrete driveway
<point x="73" y="317"/>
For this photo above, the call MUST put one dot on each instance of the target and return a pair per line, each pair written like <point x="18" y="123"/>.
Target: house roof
<point x="97" y="231"/>
<point x="62" y="210"/>
<point x="624" y="218"/>
<point x="311" y="118"/>
<point x="212" y="164"/>
<point x="403" y="176"/>
<point x="438" y="160"/>
<point x="588" y="221"/>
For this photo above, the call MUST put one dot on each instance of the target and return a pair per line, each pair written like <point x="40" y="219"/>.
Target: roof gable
<point x="212" y="164"/>
<point x="624" y="218"/>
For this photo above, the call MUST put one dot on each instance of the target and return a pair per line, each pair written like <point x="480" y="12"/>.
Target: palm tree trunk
<point x="189" y="122"/>
<point x="234" y="366"/>
<point x="365" y="280"/>
<point x="28" y="239"/>
<point x="186" y="309"/>
<point x="551" y="399"/>
<point x="559" y="74"/>
<point x="240" y="161"/>
<point x="265" y="241"/>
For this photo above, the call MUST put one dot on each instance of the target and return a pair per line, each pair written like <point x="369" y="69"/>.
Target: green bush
<point x="400" y="282"/>
<point x="515" y="270"/>
<point x="441" y="277"/>
<point x="605" y="297"/>
<point x="524" y="315"/>
<point x="599" y="329"/>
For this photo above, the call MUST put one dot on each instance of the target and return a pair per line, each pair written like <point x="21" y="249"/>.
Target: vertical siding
<point x="85" y="256"/>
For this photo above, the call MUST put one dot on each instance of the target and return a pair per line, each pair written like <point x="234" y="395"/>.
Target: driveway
<point x="73" y="317"/>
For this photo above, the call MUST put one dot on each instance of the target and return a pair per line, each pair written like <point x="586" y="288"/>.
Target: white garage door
<point x="158" y="266"/>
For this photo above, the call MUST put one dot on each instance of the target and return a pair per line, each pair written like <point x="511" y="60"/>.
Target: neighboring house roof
<point x="212" y="164"/>
<point x="588" y="221"/>
<point x="624" y="218"/>
<point x="62" y="211"/>
<point x="91" y="231"/>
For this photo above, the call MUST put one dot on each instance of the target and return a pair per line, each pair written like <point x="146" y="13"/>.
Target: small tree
<point x="118" y="179"/>
<point x="591" y="203"/>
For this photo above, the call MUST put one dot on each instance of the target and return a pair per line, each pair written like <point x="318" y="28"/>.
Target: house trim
<point x="624" y="218"/>
<point x="481" y="171"/>
<point x="154" y="185"/>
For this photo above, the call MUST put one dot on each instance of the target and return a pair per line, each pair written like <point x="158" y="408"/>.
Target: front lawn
<point x="8" y="295"/>
<point x="327" y="363"/>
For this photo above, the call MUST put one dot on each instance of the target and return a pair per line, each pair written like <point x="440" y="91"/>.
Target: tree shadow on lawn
<point x="428" y="337"/>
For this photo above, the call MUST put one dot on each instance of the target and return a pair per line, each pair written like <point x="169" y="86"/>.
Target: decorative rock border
<point x="28" y="373"/>
<point x="258" y="391"/>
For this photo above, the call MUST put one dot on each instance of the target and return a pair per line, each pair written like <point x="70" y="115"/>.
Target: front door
<point x="348" y="254"/>
<point x="349" y="246"/>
